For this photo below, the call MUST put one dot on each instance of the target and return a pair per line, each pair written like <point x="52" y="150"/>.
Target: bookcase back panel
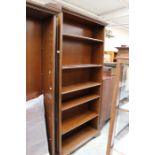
<point x="76" y="52"/>
<point x="74" y="76"/>
<point x="74" y="111"/>
<point x="39" y="55"/>
<point x="79" y="52"/>
<point x="77" y="26"/>
<point x="95" y="74"/>
<point x="33" y="57"/>
<point x="80" y="128"/>
<point x="94" y="105"/>
<point x="97" y="54"/>
<point x="75" y="95"/>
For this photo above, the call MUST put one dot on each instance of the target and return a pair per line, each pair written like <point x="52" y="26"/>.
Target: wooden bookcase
<point x="79" y="78"/>
<point x="40" y="59"/>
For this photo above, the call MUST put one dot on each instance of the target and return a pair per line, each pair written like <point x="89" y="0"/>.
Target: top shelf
<point x="78" y="37"/>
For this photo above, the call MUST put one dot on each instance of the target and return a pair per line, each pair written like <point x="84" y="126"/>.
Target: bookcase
<point x="40" y="59"/>
<point x="79" y="78"/>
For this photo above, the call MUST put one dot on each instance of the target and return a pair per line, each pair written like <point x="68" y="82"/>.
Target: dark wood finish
<point x="77" y="120"/>
<point x="79" y="101"/>
<point x="80" y="86"/>
<point x="40" y="59"/>
<point x="81" y="49"/>
<point x="33" y="58"/>
<point x="58" y="75"/>
<point x="82" y="38"/>
<point x="77" y="139"/>
<point x="106" y="99"/>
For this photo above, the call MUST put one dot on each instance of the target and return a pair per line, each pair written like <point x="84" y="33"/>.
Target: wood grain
<point x="33" y="58"/>
<point x="76" y="102"/>
<point x="80" y="86"/>
<point x="40" y="60"/>
<point x="77" y="120"/>
<point x="77" y="139"/>
<point x="80" y="74"/>
<point x="82" y="38"/>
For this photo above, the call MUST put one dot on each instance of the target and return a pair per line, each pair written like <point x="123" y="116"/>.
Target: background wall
<point x="121" y="37"/>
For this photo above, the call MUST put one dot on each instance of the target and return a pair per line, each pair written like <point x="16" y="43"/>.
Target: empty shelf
<point x="77" y="139"/>
<point x="81" y="66"/>
<point x="81" y="100"/>
<point x="80" y="86"/>
<point x="77" y="120"/>
<point x="73" y="36"/>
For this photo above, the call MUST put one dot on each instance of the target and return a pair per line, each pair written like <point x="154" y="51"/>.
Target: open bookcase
<point x="40" y="59"/>
<point x="79" y="78"/>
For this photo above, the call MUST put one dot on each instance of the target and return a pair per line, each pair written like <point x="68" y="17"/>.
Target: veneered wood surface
<point x="77" y="139"/>
<point x="33" y="58"/>
<point x="81" y="44"/>
<point x="78" y="101"/>
<point x="106" y="99"/>
<point x="77" y="120"/>
<point x="40" y="60"/>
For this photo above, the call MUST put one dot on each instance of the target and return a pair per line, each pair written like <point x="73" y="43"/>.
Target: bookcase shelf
<point x="79" y="86"/>
<point x="81" y="66"/>
<point x="75" y="140"/>
<point x="79" y="101"/>
<point x="82" y="38"/>
<point x="77" y="120"/>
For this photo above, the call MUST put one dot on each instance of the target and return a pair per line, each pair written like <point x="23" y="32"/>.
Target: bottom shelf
<point x="71" y="143"/>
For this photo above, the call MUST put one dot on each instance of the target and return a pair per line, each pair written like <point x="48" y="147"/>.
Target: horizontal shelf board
<point x="82" y="38"/>
<point x="79" y="86"/>
<point x="77" y="120"/>
<point x="77" y="139"/>
<point x="76" y="102"/>
<point x="81" y="66"/>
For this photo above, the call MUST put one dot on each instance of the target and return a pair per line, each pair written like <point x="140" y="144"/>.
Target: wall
<point x="121" y="37"/>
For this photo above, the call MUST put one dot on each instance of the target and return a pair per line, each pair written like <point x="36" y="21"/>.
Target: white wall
<point x="121" y="37"/>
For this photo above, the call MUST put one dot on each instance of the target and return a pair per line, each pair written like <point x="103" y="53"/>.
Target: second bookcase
<point x="79" y="78"/>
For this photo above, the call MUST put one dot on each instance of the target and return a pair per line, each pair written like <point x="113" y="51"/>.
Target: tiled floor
<point x="98" y="145"/>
